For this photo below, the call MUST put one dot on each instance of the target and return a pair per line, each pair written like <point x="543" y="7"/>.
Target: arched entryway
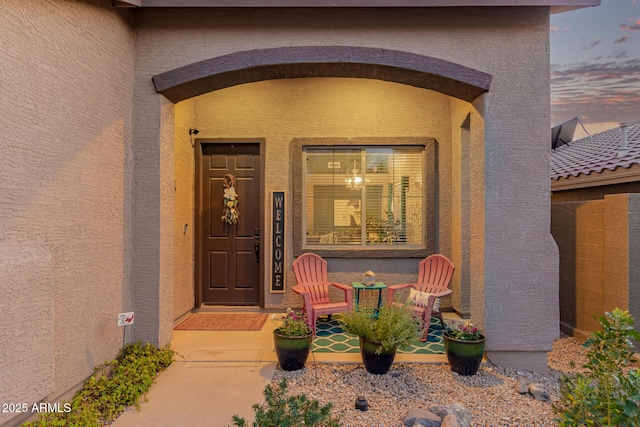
<point x="275" y="75"/>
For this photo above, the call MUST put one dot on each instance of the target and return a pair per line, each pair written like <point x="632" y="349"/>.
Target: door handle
<point x="256" y="245"/>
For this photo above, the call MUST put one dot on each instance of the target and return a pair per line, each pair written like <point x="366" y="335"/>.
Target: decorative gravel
<point x="491" y="395"/>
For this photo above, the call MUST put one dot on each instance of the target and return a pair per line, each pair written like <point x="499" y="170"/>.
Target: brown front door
<point x="228" y="260"/>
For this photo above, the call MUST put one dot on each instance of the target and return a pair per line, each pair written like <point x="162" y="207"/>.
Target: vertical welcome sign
<point x="277" y="242"/>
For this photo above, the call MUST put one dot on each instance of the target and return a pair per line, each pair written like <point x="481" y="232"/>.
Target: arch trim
<point x="322" y="61"/>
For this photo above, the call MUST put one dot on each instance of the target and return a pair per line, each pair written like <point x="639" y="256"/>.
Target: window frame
<point x="430" y="197"/>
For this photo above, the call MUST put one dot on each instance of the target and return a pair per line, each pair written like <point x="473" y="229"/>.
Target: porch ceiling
<point x="322" y="61"/>
<point x="556" y="5"/>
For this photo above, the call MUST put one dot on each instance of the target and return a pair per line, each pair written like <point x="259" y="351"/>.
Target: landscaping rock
<point x="522" y="385"/>
<point x="421" y="418"/>
<point x="450" y="421"/>
<point x="462" y="414"/>
<point x="491" y="395"/>
<point x="539" y="392"/>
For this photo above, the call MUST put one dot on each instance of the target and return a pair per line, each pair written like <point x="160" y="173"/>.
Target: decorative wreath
<point x="230" y="212"/>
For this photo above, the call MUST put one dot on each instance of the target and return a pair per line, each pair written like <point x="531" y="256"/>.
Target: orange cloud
<point x="606" y="92"/>
<point x="634" y="26"/>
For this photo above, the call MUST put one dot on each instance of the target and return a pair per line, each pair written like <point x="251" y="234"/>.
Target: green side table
<point x="378" y="286"/>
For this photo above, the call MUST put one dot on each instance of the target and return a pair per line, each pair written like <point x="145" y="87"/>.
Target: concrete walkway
<point x="221" y="374"/>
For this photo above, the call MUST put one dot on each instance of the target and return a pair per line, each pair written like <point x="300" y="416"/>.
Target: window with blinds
<point x="363" y="196"/>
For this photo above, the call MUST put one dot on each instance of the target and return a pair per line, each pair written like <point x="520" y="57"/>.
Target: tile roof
<point x="596" y="153"/>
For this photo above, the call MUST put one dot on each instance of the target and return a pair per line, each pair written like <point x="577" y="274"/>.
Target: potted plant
<point x="381" y="334"/>
<point x="292" y="340"/>
<point x="464" y="346"/>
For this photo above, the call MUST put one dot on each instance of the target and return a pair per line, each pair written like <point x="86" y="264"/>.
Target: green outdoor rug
<point x="330" y="338"/>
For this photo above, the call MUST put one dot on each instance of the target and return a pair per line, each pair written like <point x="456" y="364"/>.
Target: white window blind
<point x="363" y="196"/>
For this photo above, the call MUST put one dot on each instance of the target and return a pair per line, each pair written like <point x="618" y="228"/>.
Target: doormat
<point x="330" y="338"/>
<point x="223" y="322"/>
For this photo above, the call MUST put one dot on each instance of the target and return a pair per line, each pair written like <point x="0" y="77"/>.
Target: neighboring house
<point x="394" y="128"/>
<point x="595" y="183"/>
<point x="594" y="166"/>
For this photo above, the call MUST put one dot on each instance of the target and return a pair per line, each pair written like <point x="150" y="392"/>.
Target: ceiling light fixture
<point x="354" y="182"/>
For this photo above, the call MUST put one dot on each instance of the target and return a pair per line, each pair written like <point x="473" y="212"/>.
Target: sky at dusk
<point x="595" y="65"/>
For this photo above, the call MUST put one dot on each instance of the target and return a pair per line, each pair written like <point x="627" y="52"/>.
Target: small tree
<point x="281" y="410"/>
<point x="606" y="395"/>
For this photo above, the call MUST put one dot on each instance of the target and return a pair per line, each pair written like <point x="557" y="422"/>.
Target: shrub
<point x="393" y="326"/>
<point x="115" y="386"/>
<point x="608" y="394"/>
<point x="281" y="410"/>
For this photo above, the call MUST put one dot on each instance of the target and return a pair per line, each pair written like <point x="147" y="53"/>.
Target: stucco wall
<point x="66" y="79"/>
<point x="520" y="256"/>
<point x="633" y="206"/>
<point x="461" y="205"/>
<point x="27" y="353"/>
<point x="183" y="285"/>
<point x="598" y="241"/>
<point x="578" y="227"/>
<point x="281" y="110"/>
<point x="514" y="258"/>
<point x="477" y="207"/>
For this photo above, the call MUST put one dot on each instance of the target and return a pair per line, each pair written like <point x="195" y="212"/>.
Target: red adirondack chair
<point x="313" y="285"/>
<point x="434" y="276"/>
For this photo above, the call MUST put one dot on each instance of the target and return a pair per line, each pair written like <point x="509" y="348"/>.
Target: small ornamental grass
<point x="464" y="331"/>
<point x="293" y="324"/>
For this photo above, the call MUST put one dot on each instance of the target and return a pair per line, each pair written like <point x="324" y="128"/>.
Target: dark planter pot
<point x="292" y="352"/>
<point x="464" y="357"/>
<point x="376" y="363"/>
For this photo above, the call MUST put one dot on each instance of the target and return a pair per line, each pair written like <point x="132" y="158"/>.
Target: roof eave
<point x="560" y="9"/>
<point x="555" y="5"/>
<point x="619" y="175"/>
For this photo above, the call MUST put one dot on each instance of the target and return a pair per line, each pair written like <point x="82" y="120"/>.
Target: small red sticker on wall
<point x="125" y="319"/>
